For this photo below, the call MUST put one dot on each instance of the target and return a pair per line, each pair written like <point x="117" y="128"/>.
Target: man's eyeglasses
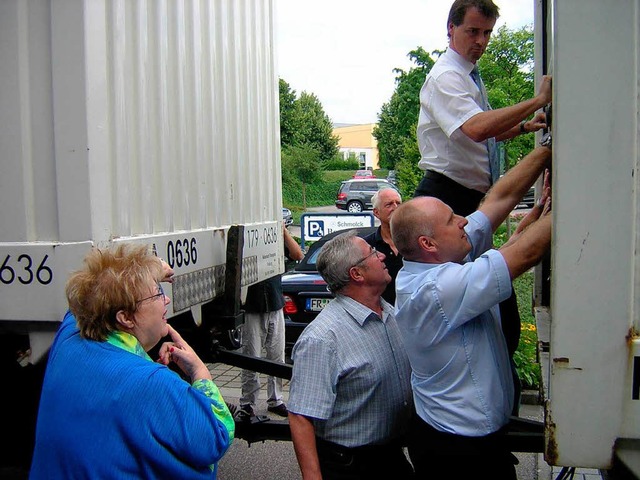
<point x="371" y="254"/>
<point x="160" y="293"/>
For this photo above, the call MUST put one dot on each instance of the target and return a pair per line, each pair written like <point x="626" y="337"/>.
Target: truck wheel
<point x="354" y="207"/>
<point x="231" y="339"/>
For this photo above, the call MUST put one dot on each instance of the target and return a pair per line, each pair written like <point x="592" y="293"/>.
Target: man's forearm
<point x="509" y="190"/>
<point x="529" y="248"/>
<point x="497" y="123"/>
<point x="295" y="252"/>
<point x="304" y="444"/>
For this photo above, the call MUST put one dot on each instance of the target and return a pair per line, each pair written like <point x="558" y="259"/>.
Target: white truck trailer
<point x="588" y="294"/>
<point x="152" y="121"/>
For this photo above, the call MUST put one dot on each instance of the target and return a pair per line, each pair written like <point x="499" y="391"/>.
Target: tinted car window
<point x="364" y="187"/>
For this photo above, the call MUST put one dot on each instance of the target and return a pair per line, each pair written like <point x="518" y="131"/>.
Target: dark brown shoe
<point x="280" y="410"/>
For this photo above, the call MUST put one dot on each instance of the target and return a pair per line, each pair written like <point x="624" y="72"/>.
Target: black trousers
<point x="363" y="463"/>
<point x="439" y="455"/>
<point x="464" y="201"/>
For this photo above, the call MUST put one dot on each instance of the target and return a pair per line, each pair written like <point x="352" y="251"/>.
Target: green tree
<point x="398" y="117"/>
<point x="287" y="108"/>
<point x="507" y="71"/>
<point x="313" y="127"/>
<point x="300" y="167"/>
<point x="397" y="121"/>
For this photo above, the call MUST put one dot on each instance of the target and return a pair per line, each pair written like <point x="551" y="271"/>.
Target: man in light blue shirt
<point x="448" y="293"/>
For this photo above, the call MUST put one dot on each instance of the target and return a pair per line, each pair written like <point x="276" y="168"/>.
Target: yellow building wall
<point x="359" y="138"/>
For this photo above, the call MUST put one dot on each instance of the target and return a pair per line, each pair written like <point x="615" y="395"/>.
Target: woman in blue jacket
<point x="108" y="410"/>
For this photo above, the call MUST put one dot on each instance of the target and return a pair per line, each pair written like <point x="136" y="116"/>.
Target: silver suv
<point x="355" y="195"/>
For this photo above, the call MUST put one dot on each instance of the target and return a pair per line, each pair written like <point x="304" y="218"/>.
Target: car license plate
<point x="317" y="304"/>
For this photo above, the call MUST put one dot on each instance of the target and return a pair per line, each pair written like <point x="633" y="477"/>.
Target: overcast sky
<point x="344" y="51"/>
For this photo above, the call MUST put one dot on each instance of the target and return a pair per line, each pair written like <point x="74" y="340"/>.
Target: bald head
<point x="412" y="220"/>
<point x="427" y="230"/>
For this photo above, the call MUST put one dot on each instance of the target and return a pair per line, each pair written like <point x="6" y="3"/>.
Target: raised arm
<point x="528" y="249"/>
<point x="509" y="190"/>
<point x="503" y="123"/>
<point x="295" y="252"/>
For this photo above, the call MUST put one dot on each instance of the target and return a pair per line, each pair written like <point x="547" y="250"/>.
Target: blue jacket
<point x="106" y="412"/>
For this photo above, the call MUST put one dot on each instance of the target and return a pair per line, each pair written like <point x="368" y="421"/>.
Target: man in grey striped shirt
<point x="350" y="398"/>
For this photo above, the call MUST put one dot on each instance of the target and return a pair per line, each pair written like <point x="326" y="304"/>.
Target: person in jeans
<point x="264" y="328"/>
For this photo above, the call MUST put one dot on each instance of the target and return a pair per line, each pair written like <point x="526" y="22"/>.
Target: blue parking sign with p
<point x="316" y="228"/>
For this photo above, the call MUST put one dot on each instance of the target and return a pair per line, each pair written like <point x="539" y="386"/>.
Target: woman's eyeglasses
<point x="160" y="293"/>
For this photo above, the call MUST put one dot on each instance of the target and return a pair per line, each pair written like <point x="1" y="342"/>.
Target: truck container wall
<point x="592" y="378"/>
<point x="152" y="121"/>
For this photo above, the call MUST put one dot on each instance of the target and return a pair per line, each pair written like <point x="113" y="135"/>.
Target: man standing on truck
<point x="457" y="129"/>
<point x="264" y="328"/>
<point x="350" y="400"/>
<point x="448" y="293"/>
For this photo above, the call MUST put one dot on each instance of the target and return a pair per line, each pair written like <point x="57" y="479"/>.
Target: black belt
<point x="361" y="450"/>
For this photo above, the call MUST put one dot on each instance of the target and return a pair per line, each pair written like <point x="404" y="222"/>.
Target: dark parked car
<point x="355" y="195"/>
<point x="305" y="292"/>
<point x="287" y="216"/>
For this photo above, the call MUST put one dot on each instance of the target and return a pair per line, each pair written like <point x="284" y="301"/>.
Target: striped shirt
<point x="351" y="375"/>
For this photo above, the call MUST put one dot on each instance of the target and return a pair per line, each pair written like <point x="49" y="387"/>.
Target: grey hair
<point x="376" y="196"/>
<point x="335" y="260"/>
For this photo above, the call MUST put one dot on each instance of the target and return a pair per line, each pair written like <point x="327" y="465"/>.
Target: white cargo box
<point x="154" y="121"/>
<point x="592" y="369"/>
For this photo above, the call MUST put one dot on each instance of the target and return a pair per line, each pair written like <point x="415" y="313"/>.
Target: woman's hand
<point x="168" y="272"/>
<point x="179" y="352"/>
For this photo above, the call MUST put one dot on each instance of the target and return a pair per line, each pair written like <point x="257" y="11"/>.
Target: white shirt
<point x="448" y="98"/>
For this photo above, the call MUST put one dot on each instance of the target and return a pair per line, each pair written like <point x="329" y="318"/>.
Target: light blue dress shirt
<point x="351" y="375"/>
<point x="449" y="318"/>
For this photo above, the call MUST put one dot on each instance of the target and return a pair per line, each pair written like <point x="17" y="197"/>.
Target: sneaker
<point x="280" y="410"/>
<point x="244" y="413"/>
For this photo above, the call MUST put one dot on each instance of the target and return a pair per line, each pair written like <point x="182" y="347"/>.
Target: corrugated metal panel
<point x="154" y="120"/>
<point x="158" y="116"/>
<point x="594" y="322"/>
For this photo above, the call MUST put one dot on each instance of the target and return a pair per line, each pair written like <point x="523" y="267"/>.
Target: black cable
<point x="566" y="473"/>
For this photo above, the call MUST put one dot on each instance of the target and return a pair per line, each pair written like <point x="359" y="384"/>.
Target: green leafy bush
<point x="340" y="164"/>
<point x="526" y="355"/>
